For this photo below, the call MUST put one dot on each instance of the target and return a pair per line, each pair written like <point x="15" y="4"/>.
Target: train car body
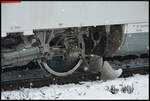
<point x="26" y="16"/>
<point x="105" y="19"/>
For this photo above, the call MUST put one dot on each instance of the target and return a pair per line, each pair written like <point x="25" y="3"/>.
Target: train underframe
<point x="63" y="51"/>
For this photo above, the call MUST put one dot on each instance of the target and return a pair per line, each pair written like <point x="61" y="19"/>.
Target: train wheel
<point x="66" y="51"/>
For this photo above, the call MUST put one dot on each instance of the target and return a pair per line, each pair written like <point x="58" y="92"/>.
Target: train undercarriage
<point x="63" y="51"/>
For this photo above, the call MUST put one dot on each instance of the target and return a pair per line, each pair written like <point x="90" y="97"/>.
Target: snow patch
<point x="85" y="90"/>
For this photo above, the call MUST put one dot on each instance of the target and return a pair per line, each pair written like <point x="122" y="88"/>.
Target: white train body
<point x="26" y="16"/>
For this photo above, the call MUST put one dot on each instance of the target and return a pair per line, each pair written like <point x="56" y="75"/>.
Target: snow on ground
<point x="86" y="90"/>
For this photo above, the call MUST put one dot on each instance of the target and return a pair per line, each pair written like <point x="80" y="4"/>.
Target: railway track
<point x="29" y="77"/>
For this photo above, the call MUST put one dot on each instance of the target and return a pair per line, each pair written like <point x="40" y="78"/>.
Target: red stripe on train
<point x="10" y="1"/>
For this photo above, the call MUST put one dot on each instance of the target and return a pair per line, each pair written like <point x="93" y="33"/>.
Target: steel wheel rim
<point x="48" y="68"/>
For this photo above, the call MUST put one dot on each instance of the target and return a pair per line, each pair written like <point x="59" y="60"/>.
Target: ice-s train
<point x="60" y="36"/>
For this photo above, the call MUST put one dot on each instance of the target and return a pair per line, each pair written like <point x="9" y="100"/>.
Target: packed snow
<point x="86" y="90"/>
